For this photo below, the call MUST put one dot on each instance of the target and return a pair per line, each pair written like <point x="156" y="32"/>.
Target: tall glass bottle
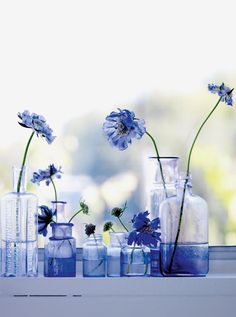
<point x="19" y="230"/>
<point x="189" y="257"/>
<point x="157" y="192"/>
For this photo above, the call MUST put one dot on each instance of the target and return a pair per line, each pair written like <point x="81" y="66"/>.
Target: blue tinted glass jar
<point x="189" y="257"/>
<point x="117" y="241"/>
<point x="60" y="252"/>
<point x="135" y="261"/>
<point x="94" y="257"/>
<point x="19" y="229"/>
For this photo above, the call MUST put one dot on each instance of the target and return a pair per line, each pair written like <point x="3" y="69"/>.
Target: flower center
<point x="122" y="128"/>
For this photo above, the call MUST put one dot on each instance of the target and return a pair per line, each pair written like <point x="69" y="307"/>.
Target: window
<point x="74" y="63"/>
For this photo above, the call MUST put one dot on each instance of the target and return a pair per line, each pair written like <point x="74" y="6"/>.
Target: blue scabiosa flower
<point x="38" y="124"/>
<point x="145" y="230"/>
<point x="121" y="127"/>
<point x="46" y="175"/>
<point x="90" y="229"/>
<point x="45" y="217"/>
<point x="222" y="91"/>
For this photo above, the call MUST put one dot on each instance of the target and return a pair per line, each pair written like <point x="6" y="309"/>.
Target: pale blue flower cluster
<point x="121" y="127"/>
<point x="145" y="230"/>
<point x="38" y="124"/>
<point x="223" y="91"/>
<point x="46" y="175"/>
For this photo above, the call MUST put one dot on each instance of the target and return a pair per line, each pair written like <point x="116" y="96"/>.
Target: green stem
<point x="123" y="224"/>
<point x="24" y="160"/>
<point x="159" y="162"/>
<point x="75" y="215"/>
<point x="54" y="187"/>
<point x="185" y="185"/>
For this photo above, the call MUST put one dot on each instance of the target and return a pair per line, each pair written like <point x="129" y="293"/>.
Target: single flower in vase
<point x="225" y="95"/>
<point x="94" y="253"/>
<point x="135" y="257"/>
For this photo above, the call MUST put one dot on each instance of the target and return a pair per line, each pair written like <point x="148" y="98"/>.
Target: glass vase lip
<point x="165" y="157"/>
<point x="55" y="224"/>
<point x="58" y="202"/>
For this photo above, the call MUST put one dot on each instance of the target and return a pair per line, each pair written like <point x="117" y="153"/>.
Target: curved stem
<point x="54" y="187"/>
<point x="75" y="215"/>
<point x="123" y="224"/>
<point x="159" y="161"/>
<point x="24" y="160"/>
<point x="185" y="185"/>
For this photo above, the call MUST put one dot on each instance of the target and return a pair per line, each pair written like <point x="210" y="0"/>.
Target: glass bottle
<point x="190" y="256"/>
<point x="94" y="257"/>
<point x="135" y="261"/>
<point x="157" y="192"/>
<point x="60" y="252"/>
<point x="19" y="230"/>
<point x="58" y="207"/>
<point x="117" y="241"/>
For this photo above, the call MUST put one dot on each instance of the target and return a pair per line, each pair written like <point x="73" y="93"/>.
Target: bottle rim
<point x="55" y="224"/>
<point x="165" y="157"/>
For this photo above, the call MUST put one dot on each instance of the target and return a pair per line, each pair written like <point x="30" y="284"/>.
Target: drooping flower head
<point x="222" y="91"/>
<point x="90" y="229"/>
<point x="145" y="230"/>
<point x="107" y="226"/>
<point x="46" y="175"/>
<point x="84" y="207"/>
<point x="45" y="217"/>
<point x="38" y="124"/>
<point x="121" y="127"/>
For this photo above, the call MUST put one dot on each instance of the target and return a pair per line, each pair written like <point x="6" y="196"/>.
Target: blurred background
<point x="76" y="61"/>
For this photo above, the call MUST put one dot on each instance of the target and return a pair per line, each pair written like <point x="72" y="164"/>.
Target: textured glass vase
<point x="189" y="257"/>
<point x="94" y="257"/>
<point x="19" y="230"/>
<point x="117" y="241"/>
<point x="135" y="261"/>
<point x="157" y="192"/>
<point x="60" y="252"/>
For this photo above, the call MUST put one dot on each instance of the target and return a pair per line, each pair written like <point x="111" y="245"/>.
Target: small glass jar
<point x="135" y="261"/>
<point x="60" y="252"/>
<point x="117" y="241"/>
<point x="94" y="257"/>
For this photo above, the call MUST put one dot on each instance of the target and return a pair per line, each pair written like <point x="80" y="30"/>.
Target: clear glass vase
<point x="94" y="257"/>
<point x="157" y="191"/>
<point x="135" y="261"/>
<point x="117" y="241"/>
<point x="60" y="252"/>
<point x="19" y="229"/>
<point x="189" y="256"/>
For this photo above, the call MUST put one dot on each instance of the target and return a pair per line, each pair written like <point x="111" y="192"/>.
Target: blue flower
<point x="46" y="175"/>
<point x="223" y="91"/>
<point x="145" y="231"/>
<point x="90" y="229"/>
<point x="121" y="127"/>
<point x="38" y="124"/>
<point x="44" y="219"/>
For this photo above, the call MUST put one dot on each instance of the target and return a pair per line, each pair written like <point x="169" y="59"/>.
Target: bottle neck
<point x="97" y="238"/>
<point x="184" y="185"/>
<point x="118" y="238"/>
<point x="19" y="177"/>
<point x="62" y="230"/>
<point x="58" y="208"/>
<point x="164" y="167"/>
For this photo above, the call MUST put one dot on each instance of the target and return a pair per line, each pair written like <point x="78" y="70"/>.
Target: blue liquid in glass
<point x="155" y="262"/>
<point x="189" y="259"/>
<point x="60" y="267"/>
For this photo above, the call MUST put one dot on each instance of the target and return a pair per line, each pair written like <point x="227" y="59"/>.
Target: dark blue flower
<point x="145" y="231"/>
<point x="90" y="229"/>
<point x="223" y="91"/>
<point x="38" y="124"/>
<point x="46" y="175"/>
<point x="121" y="127"/>
<point x="44" y="219"/>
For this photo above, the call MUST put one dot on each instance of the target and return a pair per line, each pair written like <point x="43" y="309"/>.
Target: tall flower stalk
<point x="225" y="95"/>
<point x="121" y="127"/>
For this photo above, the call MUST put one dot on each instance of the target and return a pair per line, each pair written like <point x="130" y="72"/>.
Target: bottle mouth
<point x="58" y="202"/>
<point x="165" y="157"/>
<point x="61" y="224"/>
